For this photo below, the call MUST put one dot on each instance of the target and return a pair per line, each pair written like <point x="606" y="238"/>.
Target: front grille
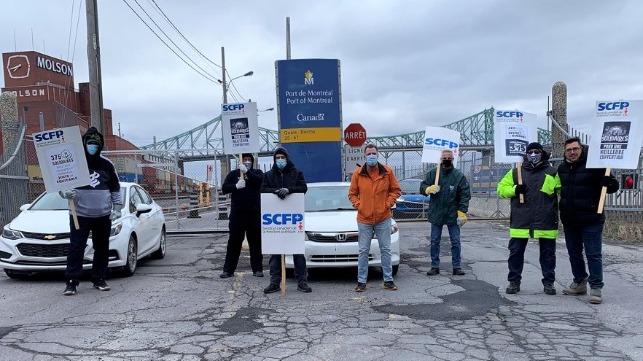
<point x="336" y="258"/>
<point x="43" y="250"/>
<point x="333" y="237"/>
<point x="46" y="236"/>
<point x="414" y="205"/>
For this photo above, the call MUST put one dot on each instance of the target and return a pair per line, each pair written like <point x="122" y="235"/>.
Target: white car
<point x="331" y="230"/>
<point x="38" y="238"/>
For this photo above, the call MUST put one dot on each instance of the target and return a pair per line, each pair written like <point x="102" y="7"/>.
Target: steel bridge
<point x="206" y="140"/>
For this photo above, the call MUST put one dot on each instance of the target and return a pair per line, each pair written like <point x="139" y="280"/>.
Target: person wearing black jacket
<point x="580" y="191"/>
<point x="244" y="187"/>
<point x="283" y="179"/>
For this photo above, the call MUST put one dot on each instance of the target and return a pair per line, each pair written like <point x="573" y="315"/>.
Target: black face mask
<point x="447" y="163"/>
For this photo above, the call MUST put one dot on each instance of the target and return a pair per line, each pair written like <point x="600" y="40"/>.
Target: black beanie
<point x="246" y="155"/>
<point x="534" y="145"/>
<point x="280" y="150"/>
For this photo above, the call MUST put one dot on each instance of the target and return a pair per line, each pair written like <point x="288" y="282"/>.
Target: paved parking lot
<point x="179" y="309"/>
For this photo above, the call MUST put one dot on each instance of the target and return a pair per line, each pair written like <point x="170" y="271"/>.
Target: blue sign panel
<point x="310" y="121"/>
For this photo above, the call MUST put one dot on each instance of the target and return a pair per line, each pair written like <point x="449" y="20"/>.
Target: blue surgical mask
<point x="92" y="149"/>
<point x="248" y="164"/>
<point x="371" y="160"/>
<point x="281" y="163"/>
<point x="534" y="158"/>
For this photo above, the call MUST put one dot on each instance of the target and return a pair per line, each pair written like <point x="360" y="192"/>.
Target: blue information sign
<point x="310" y="120"/>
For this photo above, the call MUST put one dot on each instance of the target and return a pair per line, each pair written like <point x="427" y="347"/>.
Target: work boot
<point x="433" y="271"/>
<point x="595" y="296"/>
<point x="514" y="287"/>
<point x="576" y="288"/>
<point x="549" y="289"/>
<point x="458" y="272"/>
<point x="273" y="287"/>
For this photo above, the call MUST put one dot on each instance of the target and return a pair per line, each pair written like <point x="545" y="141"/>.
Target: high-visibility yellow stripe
<point x="306" y="135"/>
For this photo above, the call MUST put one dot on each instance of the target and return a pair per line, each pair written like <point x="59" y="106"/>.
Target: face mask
<point x="447" y="163"/>
<point x="371" y="160"/>
<point x="281" y="163"/>
<point x="248" y="164"/>
<point x="92" y="149"/>
<point x="534" y="158"/>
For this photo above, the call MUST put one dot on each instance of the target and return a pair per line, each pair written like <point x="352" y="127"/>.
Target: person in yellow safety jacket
<point x="535" y="217"/>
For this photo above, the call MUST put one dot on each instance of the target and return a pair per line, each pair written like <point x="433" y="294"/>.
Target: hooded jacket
<point x="248" y="199"/>
<point x="373" y="199"/>
<point x="290" y="177"/>
<point x="537" y="217"/>
<point x="580" y="191"/>
<point x="97" y="198"/>
<point x="454" y="195"/>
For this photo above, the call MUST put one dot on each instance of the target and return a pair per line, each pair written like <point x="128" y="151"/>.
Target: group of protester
<point x="536" y="190"/>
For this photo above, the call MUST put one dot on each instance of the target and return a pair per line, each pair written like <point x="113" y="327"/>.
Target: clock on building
<point x="18" y="66"/>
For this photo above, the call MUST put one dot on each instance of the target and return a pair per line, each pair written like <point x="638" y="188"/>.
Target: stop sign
<point x="355" y="135"/>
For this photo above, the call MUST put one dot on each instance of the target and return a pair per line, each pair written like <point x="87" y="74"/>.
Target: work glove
<point x="281" y="193"/>
<point x="520" y="189"/>
<point x="462" y="218"/>
<point x="433" y="189"/>
<point x="68" y="194"/>
<point x="243" y="168"/>
<point x="607" y="181"/>
<point x="241" y="184"/>
<point x="116" y="214"/>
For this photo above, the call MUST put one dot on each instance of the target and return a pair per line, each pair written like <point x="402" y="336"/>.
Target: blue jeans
<point x="516" y="259"/>
<point x="382" y="231"/>
<point x="299" y="260"/>
<point x="591" y="238"/>
<point x="436" y="235"/>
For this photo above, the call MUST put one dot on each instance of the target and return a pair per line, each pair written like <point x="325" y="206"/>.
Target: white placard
<point x="282" y="224"/>
<point x="615" y="142"/>
<point x="437" y="139"/>
<point x="240" y="128"/>
<point x="61" y="158"/>
<point x="513" y="130"/>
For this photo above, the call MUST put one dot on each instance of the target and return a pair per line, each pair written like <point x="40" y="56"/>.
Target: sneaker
<point x="226" y="275"/>
<point x="389" y="285"/>
<point x="595" y="296"/>
<point x="514" y="287"/>
<point x="549" y="289"/>
<point x="70" y="290"/>
<point x="433" y="271"/>
<point x="458" y="272"/>
<point x="272" y="288"/>
<point x="101" y="285"/>
<point x="303" y="287"/>
<point x="257" y="273"/>
<point x="361" y="287"/>
<point x="576" y="288"/>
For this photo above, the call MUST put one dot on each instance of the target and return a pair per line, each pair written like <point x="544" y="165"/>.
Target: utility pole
<point x="93" y="59"/>
<point x="223" y="80"/>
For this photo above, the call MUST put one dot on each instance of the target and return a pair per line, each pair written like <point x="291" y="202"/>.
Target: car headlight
<point x="11" y="234"/>
<point x="116" y="229"/>
<point x="394" y="228"/>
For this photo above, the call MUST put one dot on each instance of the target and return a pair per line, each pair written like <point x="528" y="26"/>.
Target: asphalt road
<point x="179" y="309"/>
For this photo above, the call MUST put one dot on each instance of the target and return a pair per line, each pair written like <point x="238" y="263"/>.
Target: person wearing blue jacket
<point x="96" y="205"/>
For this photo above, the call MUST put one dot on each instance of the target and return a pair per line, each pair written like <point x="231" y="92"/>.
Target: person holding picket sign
<point x="450" y="195"/>
<point x="284" y="179"/>
<point x="531" y="186"/>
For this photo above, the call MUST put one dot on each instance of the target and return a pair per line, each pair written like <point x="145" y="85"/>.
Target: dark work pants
<point x="242" y="226"/>
<point x="300" y="268"/>
<point x="516" y="260"/>
<point x="590" y="238"/>
<point x="100" y="228"/>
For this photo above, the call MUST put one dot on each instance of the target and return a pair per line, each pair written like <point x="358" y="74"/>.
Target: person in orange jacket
<point x="373" y="191"/>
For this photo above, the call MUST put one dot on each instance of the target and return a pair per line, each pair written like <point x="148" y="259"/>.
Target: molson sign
<point x="26" y="68"/>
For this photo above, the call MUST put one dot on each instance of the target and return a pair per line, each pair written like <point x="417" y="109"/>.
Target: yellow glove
<point x="432" y="189"/>
<point x="462" y="218"/>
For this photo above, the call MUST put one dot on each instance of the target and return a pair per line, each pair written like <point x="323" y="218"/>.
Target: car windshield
<point x="331" y="198"/>
<point x="54" y="202"/>
<point x="410" y="186"/>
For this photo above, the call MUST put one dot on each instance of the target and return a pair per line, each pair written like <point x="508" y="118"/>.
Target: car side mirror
<point x="143" y="208"/>
<point x="24" y="207"/>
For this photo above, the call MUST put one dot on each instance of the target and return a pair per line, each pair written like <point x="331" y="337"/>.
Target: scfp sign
<point x="355" y="135"/>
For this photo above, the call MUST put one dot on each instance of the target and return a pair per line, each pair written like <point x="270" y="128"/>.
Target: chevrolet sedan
<point x="331" y="230"/>
<point x="37" y="240"/>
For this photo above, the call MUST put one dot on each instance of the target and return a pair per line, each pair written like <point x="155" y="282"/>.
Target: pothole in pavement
<point x="245" y="320"/>
<point x="477" y="299"/>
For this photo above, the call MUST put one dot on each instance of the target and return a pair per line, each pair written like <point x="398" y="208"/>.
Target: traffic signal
<point x="629" y="181"/>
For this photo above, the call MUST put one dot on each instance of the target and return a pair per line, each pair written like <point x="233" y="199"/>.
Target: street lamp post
<point x="223" y="82"/>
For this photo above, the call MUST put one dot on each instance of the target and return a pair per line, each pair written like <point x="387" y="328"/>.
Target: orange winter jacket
<point x="373" y="199"/>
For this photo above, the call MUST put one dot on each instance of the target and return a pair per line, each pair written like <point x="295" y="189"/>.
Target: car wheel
<point x="395" y="268"/>
<point x="160" y="253"/>
<point x="15" y="275"/>
<point x="132" y="257"/>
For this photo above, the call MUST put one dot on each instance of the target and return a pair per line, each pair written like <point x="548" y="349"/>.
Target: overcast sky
<point x="404" y="64"/>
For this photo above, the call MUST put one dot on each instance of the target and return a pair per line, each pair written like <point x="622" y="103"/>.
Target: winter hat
<point x="280" y="150"/>
<point x="248" y="155"/>
<point x="92" y="136"/>
<point x="534" y="145"/>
